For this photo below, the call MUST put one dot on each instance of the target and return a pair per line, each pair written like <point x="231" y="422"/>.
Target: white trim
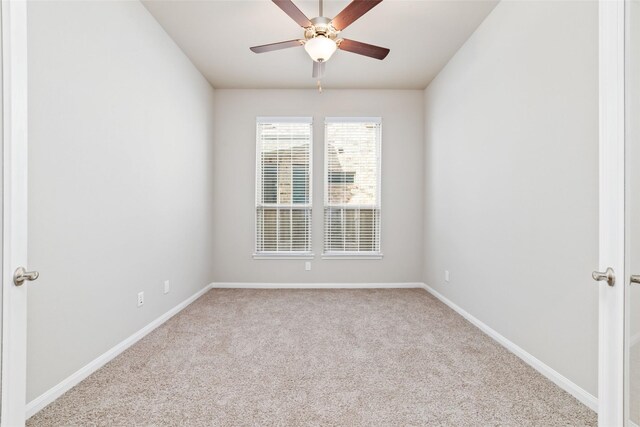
<point x="283" y="206"/>
<point x="49" y="396"/>
<point x="328" y="205"/>
<point x="611" y="213"/>
<point x="283" y="256"/>
<point x="630" y="193"/>
<point x="377" y="120"/>
<point x="258" y="176"/>
<point x="65" y="385"/>
<point x="254" y="285"/>
<point x="348" y="206"/>
<point x="561" y="381"/>
<point x="277" y="119"/>
<point x="14" y="211"/>
<point x="351" y="256"/>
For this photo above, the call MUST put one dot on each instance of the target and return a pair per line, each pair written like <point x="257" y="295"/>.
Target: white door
<point x="619" y="374"/>
<point x="14" y="210"/>
<point x="612" y="215"/>
<point x="632" y="144"/>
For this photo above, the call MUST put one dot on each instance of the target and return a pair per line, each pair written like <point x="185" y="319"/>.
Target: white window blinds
<point x="352" y="186"/>
<point x="283" y="185"/>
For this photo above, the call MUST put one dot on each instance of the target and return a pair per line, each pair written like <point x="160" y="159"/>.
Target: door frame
<point x="612" y="212"/>
<point x="14" y="210"/>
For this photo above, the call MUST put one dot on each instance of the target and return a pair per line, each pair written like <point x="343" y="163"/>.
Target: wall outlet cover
<point x="166" y="286"/>
<point x="446" y="276"/>
<point x="307" y="265"/>
<point x="140" y="299"/>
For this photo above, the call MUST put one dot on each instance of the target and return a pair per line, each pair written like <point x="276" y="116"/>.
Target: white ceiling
<point x="216" y="35"/>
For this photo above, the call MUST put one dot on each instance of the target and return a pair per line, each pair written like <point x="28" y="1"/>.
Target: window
<point x="283" y="183"/>
<point x="352" y="186"/>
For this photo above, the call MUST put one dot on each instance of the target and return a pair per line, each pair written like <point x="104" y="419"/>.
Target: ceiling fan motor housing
<point x="321" y="27"/>
<point x="321" y="33"/>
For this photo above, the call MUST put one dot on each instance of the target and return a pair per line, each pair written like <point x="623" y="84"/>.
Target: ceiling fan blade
<point x="318" y="70"/>
<point x="365" y="49"/>
<point x="294" y="13"/>
<point x="353" y="11"/>
<point x="276" y="46"/>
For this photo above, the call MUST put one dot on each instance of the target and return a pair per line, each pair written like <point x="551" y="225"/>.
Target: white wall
<point x="512" y="181"/>
<point x="402" y="186"/>
<point x="120" y="180"/>
<point x="124" y="172"/>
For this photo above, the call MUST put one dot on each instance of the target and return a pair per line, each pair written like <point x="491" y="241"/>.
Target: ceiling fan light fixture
<point x="320" y="48"/>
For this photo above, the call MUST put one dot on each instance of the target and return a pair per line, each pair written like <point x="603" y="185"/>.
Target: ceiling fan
<point x="321" y="34"/>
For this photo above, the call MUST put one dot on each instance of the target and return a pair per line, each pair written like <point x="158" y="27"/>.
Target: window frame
<point x="307" y="206"/>
<point x="352" y="255"/>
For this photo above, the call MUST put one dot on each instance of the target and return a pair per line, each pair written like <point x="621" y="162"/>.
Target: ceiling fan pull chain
<point x="319" y="86"/>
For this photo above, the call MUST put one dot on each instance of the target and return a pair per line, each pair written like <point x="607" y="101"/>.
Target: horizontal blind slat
<point x="352" y="186"/>
<point x="283" y="177"/>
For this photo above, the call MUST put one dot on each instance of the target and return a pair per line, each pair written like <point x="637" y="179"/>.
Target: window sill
<point x="352" y="256"/>
<point x="283" y="256"/>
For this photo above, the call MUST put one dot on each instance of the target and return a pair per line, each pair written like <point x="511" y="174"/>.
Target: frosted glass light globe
<point x="320" y="48"/>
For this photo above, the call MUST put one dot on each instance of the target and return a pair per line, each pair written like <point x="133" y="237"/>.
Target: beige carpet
<point x="316" y="357"/>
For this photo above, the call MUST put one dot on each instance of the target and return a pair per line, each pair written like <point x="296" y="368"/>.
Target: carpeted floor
<point x="316" y="357"/>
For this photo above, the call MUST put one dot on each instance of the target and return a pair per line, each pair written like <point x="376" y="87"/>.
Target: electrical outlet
<point x="166" y="286"/>
<point x="446" y="276"/>
<point x="140" y="299"/>
<point x="307" y="265"/>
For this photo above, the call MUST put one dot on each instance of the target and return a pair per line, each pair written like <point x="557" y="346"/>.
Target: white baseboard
<point x="561" y="381"/>
<point x="65" y="385"/>
<point x="52" y="394"/>
<point x="250" y="285"/>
